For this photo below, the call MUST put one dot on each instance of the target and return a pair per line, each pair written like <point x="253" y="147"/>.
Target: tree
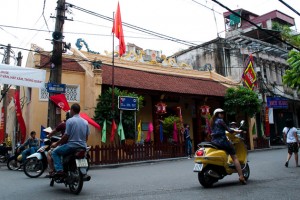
<point x="168" y="125"/>
<point x="290" y="78"/>
<point x="242" y="100"/>
<point x="104" y="111"/>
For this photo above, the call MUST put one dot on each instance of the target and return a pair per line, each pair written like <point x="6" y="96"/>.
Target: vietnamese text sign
<point x="15" y="75"/>
<point x="277" y="102"/>
<point x="56" y="88"/>
<point x="128" y="103"/>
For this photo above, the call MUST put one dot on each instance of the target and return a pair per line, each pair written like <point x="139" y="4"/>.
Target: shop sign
<point x="277" y="103"/>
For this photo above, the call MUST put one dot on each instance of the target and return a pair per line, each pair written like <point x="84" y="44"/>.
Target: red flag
<point x="175" y="133"/>
<point x="2" y="137"/>
<point x="249" y="75"/>
<point x="113" y="130"/>
<point x="89" y="120"/>
<point x="20" y="117"/>
<point x="118" y="31"/>
<point x="61" y="101"/>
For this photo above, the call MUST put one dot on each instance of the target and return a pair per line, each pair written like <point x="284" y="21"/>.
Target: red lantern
<point x="161" y="108"/>
<point x="204" y="110"/>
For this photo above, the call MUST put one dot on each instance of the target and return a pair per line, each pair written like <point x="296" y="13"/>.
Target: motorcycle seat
<point x="207" y="144"/>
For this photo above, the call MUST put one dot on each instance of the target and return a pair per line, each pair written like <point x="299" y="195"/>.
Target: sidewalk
<point x="173" y="159"/>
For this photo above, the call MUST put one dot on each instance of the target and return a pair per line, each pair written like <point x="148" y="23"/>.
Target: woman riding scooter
<point x="219" y="139"/>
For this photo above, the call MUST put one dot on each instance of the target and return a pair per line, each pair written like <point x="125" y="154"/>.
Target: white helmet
<point x="218" y="110"/>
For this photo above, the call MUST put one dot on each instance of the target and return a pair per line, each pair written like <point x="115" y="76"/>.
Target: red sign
<point x="267" y="125"/>
<point x="249" y="74"/>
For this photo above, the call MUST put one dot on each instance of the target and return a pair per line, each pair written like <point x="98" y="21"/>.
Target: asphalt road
<point x="269" y="179"/>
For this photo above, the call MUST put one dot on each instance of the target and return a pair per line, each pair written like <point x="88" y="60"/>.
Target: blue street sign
<point x="128" y="103"/>
<point x="56" y="88"/>
<point x="277" y="103"/>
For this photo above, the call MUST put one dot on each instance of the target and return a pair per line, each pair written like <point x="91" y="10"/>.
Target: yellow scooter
<point x="213" y="164"/>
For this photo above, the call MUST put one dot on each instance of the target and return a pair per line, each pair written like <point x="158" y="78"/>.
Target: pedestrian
<point x="187" y="139"/>
<point x="292" y="140"/>
<point x="32" y="142"/>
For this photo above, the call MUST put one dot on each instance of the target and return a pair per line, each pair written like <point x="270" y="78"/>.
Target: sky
<point x="188" y="20"/>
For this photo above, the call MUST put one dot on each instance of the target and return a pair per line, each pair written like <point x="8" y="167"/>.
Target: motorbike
<point x="75" y="168"/>
<point x="213" y="164"/>
<point x="14" y="162"/>
<point x="4" y="153"/>
<point x="35" y="164"/>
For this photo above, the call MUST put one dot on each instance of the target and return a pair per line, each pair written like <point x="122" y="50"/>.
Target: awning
<point x="15" y="75"/>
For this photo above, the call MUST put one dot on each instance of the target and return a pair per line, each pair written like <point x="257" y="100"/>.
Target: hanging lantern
<point x="161" y="108"/>
<point x="204" y="110"/>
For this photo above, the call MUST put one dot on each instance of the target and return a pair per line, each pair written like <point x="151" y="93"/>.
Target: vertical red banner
<point x="2" y="132"/>
<point x="20" y="117"/>
<point x="267" y="125"/>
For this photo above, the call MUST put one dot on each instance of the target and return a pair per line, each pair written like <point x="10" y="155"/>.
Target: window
<point x="72" y="93"/>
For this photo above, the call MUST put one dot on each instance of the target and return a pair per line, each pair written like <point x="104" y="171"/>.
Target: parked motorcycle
<point x="75" y="167"/>
<point x="14" y="162"/>
<point x="4" y="153"/>
<point x="213" y="164"/>
<point x="37" y="163"/>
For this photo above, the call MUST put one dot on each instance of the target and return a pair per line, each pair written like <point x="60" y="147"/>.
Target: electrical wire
<point x="290" y="7"/>
<point x="258" y="27"/>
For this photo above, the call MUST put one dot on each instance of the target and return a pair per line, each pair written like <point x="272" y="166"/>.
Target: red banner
<point x="249" y="75"/>
<point x="61" y="101"/>
<point x="20" y="117"/>
<point x="2" y="134"/>
<point x="89" y="120"/>
<point x="267" y="130"/>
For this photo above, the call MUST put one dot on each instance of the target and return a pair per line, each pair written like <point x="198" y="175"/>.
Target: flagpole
<point x="113" y="71"/>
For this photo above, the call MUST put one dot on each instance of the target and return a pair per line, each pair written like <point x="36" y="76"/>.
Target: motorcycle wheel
<point x="206" y="180"/>
<point x="33" y="167"/>
<point x="76" y="182"/>
<point x="246" y="172"/>
<point x="13" y="163"/>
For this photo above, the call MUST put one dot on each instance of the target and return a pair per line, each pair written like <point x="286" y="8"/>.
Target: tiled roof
<point x="161" y="82"/>
<point x="68" y="64"/>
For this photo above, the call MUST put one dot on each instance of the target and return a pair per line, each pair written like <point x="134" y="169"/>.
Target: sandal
<point x="286" y="164"/>
<point x="242" y="181"/>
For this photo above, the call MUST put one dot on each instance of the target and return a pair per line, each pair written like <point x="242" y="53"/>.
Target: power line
<point x="290" y="7"/>
<point x="258" y="27"/>
<point x="136" y="27"/>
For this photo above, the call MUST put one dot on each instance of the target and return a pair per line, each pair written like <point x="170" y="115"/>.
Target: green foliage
<point x="291" y="77"/>
<point x="104" y="111"/>
<point x="168" y="125"/>
<point x="287" y="34"/>
<point x="241" y="100"/>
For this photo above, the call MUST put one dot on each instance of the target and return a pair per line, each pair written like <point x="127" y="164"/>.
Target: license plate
<point x="81" y="162"/>
<point x="198" y="167"/>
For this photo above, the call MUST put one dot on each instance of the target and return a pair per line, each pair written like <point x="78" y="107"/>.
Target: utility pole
<point x="6" y="88"/>
<point x="54" y="115"/>
<point x="17" y="132"/>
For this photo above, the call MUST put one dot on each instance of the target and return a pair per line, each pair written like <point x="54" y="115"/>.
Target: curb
<point x="168" y="159"/>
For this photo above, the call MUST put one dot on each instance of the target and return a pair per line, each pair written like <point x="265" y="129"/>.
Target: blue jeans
<point x="28" y="152"/>
<point x="58" y="153"/>
<point x="188" y="146"/>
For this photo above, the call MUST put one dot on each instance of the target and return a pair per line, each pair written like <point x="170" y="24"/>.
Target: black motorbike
<point x="4" y="153"/>
<point x="75" y="168"/>
<point x="14" y="162"/>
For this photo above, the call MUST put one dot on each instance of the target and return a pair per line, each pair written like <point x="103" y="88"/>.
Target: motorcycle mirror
<point x="242" y="123"/>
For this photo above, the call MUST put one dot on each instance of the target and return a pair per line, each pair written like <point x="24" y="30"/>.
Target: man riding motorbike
<point x="219" y="139"/>
<point x="60" y="128"/>
<point x="32" y="142"/>
<point x="76" y="136"/>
